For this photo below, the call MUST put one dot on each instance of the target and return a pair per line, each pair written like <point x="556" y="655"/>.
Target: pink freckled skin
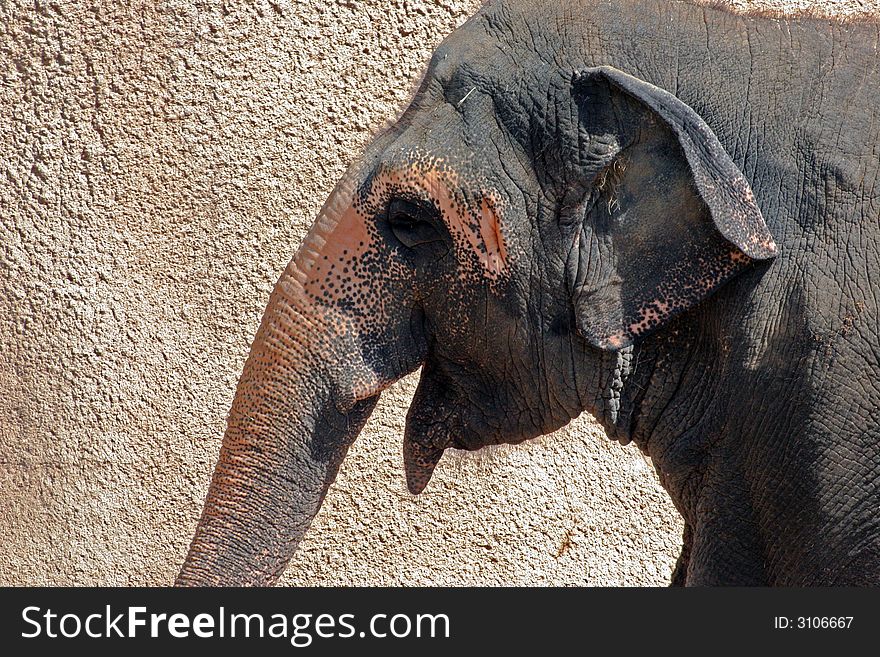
<point x="495" y="257"/>
<point x="738" y="256"/>
<point x="340" y="238"/>
<point x="346" y="241"/>
<point x="650" y="316"/>
<point x="475" y="226"/>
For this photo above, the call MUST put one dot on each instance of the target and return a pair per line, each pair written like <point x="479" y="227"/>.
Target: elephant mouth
<point x="431" y="429"/>
<point x="438" y="420"/>
<point x="423" y="451"/>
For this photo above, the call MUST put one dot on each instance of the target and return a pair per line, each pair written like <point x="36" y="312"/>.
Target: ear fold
<point x="669" y="217"/>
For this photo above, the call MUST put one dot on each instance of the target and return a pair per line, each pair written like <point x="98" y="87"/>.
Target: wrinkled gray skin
<point x="546" y="230"/>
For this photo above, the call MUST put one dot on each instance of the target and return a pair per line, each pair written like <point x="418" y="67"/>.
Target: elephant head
<point x="513" y="234"/>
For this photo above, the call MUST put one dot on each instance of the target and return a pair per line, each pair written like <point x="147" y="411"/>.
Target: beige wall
<point x="160" y="164"/>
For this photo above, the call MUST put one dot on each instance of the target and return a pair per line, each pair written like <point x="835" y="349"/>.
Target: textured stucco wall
<point x="159" y="164"/>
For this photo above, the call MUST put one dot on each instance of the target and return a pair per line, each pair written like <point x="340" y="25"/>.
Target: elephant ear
<point x="665" y="217"/>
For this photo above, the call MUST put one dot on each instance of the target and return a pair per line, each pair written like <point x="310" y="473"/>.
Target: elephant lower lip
<point x="419" y="463"/>
<point x="416" y="485"/>
<point x="417" y="478"/>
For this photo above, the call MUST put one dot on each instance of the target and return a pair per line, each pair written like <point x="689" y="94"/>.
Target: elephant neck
<point x="669" y="403"/>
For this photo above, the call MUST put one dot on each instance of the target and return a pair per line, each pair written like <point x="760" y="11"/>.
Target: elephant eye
<point x="413" y="223"/>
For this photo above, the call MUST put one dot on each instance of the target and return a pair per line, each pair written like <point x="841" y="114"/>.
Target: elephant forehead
<point x="474" y="219"/>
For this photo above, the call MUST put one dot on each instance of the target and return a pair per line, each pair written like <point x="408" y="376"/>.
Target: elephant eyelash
<point x="411" y="210"/>
<point x="413" y="222"/>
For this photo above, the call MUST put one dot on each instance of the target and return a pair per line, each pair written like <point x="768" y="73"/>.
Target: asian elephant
<point x="662" y="213"/>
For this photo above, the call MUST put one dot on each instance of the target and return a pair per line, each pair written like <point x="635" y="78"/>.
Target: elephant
<point x="666" y="214"/>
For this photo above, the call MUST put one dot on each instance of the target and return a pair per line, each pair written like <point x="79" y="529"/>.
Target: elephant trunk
<point x="284" y="442"/>
<point x="306" y="391"/>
